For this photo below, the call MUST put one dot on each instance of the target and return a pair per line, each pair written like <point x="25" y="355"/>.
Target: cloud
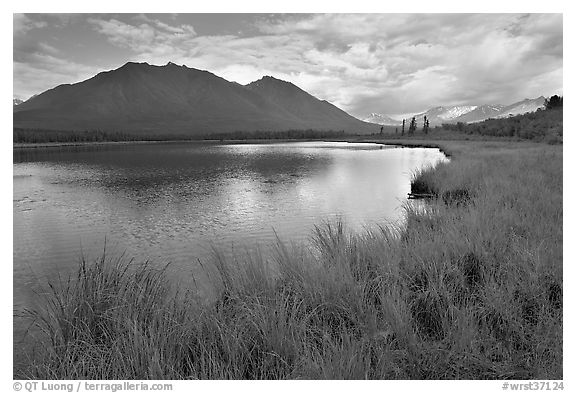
<point x="417" y="61"/>
<point x="402" y="63"/>
<point x="363" y="63"/>
<point x="410" y="62"/>
<point x="38" y="66"/>
<point x="125" y="35"/>
<point x="41" y="70"/>
<point x="140" y="38"/>
<point x="23" y="23"/>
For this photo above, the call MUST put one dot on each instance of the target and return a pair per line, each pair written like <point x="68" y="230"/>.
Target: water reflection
<point x="170" y="202"/>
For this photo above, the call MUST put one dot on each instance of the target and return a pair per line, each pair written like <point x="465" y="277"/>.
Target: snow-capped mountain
<point x="453" y="112"/>
<point x="481" y="113"/>
<point x="16" y="101"/>
<point x="524" y="106"/>
<point x="464" y="113"/>
<point x="437" y="115"/>
<point x="384" y="120"/>
<point x="444" y="114"/>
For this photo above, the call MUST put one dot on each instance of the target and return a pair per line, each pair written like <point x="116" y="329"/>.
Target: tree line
<point x="414" y="125"/>
<point x="21" y="135"/>
<point x="543" y="125"/>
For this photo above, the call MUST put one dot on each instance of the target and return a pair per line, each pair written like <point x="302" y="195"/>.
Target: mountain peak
<point x="134" y="64"/>
<point x="140" y="97"/>
<point x="270" y="79"/>
<point x="385" y="120"/>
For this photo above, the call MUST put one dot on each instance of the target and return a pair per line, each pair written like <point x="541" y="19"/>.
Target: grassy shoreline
<point x="471" y="288"/>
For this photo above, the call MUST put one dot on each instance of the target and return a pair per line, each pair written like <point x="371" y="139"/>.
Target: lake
<point x="169" y="202"/>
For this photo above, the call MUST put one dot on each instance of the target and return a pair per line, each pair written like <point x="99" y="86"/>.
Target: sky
<point x="394" y="64"/>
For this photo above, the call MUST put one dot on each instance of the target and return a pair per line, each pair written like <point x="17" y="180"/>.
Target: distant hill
<point x="525" y="106"/>
<point x="143" y="98"/>
<point x="442" y="114"/>
<point x="481" y="113"/>
<point x="382" y="120"/>
<point x="436" y="115"/>
<point x="466" y="113"/>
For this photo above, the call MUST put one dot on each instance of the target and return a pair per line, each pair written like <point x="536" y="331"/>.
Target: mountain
<point x="451" y="112"/>
<point x="468" y="113"/>
<point x="444" y="114"/>
<point x="524" y="106"/>
<point x="305" y="107"/>
<point x="17" y="101"/>
<point x="436" y="116"/>
<point x="481" y="113"/>
<point x="177" y="99"/>
<point x="384" y="120"/>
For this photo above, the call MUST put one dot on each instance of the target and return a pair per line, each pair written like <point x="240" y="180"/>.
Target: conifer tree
<point x="426" y="125"/>
<point x="412" y="127"/>
<point x="554" y="102"/>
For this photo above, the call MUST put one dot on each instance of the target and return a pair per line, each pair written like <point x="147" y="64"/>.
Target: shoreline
<point x="45" y="145"/>
<point x="415" y="143"/>
<point x="442" y="144"/>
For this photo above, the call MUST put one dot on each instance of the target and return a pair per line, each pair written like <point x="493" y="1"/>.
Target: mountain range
<point x="176" y="99"/>
<point x="172" y="99"/>
<point x="464" y="113"/>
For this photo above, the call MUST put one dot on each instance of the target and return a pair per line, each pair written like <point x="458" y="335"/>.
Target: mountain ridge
<point x="468" y="113"/>
<point x="175" y="98"/>
<point x="384" y="120"/>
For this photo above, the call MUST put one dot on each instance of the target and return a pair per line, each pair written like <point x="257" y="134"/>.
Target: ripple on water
<point x="172" y="203"/>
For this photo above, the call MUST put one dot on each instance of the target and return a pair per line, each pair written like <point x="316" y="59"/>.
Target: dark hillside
<point x="144" y="99"/>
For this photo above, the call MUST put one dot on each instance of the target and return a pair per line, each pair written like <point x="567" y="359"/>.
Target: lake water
<point x="170" y="202"/>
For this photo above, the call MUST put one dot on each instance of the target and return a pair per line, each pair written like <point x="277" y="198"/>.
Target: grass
<point x="470" y="288"/>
